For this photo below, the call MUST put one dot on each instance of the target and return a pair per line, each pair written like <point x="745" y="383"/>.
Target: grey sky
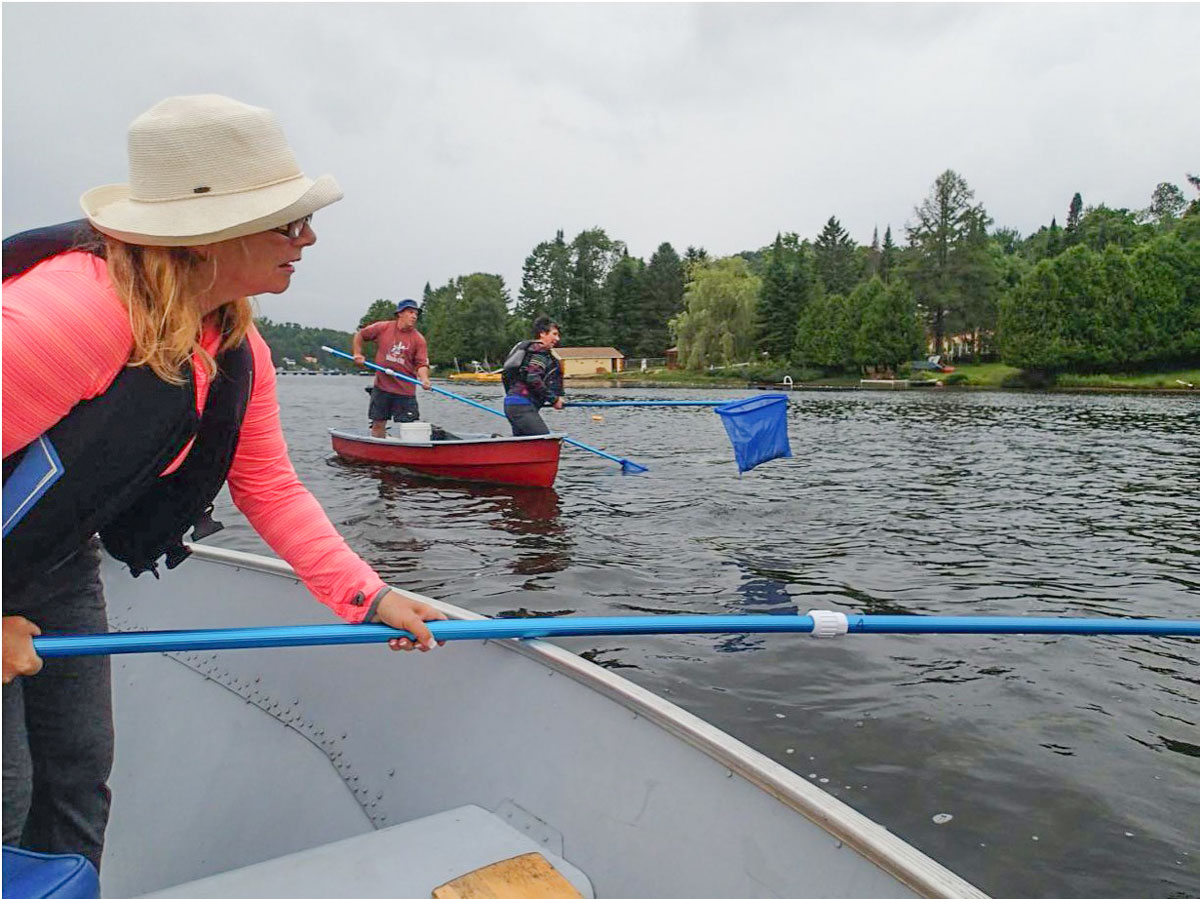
<point x="465" y="134"/>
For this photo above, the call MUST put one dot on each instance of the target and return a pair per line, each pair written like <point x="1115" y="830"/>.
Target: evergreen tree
<point x="1074" y="214"/>
<point x="1031" y="321"/>
<point x="788" y="283"/>
<point x="624" y="289"/>
<point x="546" y="281"/>
<point x="1036" y="246"/>
<point x="1010" y="265"/>
<point x="1124" y="328"/>
<point x="587" y="320"/>
<point x="823" y="335"/>
<point x="694" y="257"/>
<point x="837" y="266"/>
<point x="483" y="313"/>
<point x="803" y="286"/>
<point x="1054" y="239"/>
<point x="467" y="319"/>
<point x="1008" y="240"/>
<point x="889" y="332"/>
<point x="946" y="240"/>
<point x="776" y="319"/>
<point x="1101" y="226"/>
<point x="662" y="300"/>
<point x="441" y="323"/>
<point x="1167" y="272"/>
<point x="887" y="257"/>
<point x="756" y="260"/>
<point x="1086" y="310"/>
<point x="978" y="267"/>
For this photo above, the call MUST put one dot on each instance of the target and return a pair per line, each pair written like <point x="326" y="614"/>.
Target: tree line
<point x="301" y="346"/>
<point x="1109" y="288"/>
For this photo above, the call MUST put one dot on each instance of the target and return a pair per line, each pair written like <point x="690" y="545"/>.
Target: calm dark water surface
<point x="1070" y="765"/>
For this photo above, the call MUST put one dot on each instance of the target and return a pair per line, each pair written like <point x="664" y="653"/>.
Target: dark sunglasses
<point x="292" y="230"/>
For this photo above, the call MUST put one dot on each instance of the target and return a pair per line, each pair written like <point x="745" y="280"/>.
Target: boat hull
<point x="229" y="759"/>
<point x="513" y="461"/>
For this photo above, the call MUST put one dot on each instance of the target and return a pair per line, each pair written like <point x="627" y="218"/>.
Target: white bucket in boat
<point x="416" y="431"/>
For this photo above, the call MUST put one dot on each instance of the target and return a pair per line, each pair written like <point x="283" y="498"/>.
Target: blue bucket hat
<point x="407" y="304"/>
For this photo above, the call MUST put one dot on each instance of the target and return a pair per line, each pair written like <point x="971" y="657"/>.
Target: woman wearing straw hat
<point x="134" y="386"/>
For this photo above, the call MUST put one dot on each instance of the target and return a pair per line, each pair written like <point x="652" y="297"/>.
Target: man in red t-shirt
<point x="401" y="347"/>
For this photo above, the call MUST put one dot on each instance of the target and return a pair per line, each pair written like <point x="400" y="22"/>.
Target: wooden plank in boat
<point x="527" y="876"/>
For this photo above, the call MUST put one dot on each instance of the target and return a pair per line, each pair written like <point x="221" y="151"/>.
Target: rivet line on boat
<point x="290" y="716"/>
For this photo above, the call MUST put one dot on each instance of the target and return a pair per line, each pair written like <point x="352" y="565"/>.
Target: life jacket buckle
<point x="176" y="555"/>
<point x="205" y="526"/>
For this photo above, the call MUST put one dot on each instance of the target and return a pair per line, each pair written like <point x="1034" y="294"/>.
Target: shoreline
<point x="1184" y="379"/>
<point x="812" y="387"/>
<point x="584" y="383"/>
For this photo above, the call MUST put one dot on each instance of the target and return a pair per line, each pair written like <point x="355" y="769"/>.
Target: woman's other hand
<point x="395" y="610"/>
<point x="20" y="658"/>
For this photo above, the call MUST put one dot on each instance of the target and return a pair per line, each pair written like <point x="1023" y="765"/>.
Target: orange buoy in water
<point x="597" y="418"/>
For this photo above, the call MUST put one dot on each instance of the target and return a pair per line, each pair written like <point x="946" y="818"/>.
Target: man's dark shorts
<point x="385" y="405"/>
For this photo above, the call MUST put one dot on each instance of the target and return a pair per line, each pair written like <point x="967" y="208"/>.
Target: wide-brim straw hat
<point x="204" y="169"/>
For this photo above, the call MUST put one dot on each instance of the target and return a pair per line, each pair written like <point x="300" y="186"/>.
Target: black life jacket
<point x="516" y="370"/>
<point x="514" y="364"/>
<point x="114" y="447"/>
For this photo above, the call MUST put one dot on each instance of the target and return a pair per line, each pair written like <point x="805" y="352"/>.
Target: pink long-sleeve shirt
<point x="67" y="337"/>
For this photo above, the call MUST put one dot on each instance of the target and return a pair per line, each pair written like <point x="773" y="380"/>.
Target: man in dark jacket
<point x="533" y="379"/>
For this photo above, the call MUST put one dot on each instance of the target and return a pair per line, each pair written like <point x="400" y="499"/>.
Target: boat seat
<point x="406" y="860"/>
<point x="527" y="876"/>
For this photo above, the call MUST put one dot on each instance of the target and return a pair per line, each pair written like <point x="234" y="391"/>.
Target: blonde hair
<point x="159" y="286"/>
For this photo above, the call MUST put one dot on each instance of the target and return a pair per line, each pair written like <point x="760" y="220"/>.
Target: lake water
<point x="1070" y="765"/>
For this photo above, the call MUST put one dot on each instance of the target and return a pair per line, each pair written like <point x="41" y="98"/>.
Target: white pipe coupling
<point x="827" y="623"/>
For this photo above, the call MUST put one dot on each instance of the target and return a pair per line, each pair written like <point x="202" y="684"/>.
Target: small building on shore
<point x="586" y="361"/>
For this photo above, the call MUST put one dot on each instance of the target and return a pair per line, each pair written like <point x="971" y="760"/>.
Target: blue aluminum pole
<point x="527" y="628"/>
<point x="645" y="403"/>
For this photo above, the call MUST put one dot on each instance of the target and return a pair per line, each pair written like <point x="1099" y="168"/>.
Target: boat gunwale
<point x="360" y="437"/>
<point x="874" y="842"/>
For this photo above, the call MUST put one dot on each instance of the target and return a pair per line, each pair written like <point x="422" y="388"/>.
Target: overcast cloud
<point x="465" y="134"/>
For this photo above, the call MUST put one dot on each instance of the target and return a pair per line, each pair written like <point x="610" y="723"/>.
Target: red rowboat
<point x="519" y="461"/>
